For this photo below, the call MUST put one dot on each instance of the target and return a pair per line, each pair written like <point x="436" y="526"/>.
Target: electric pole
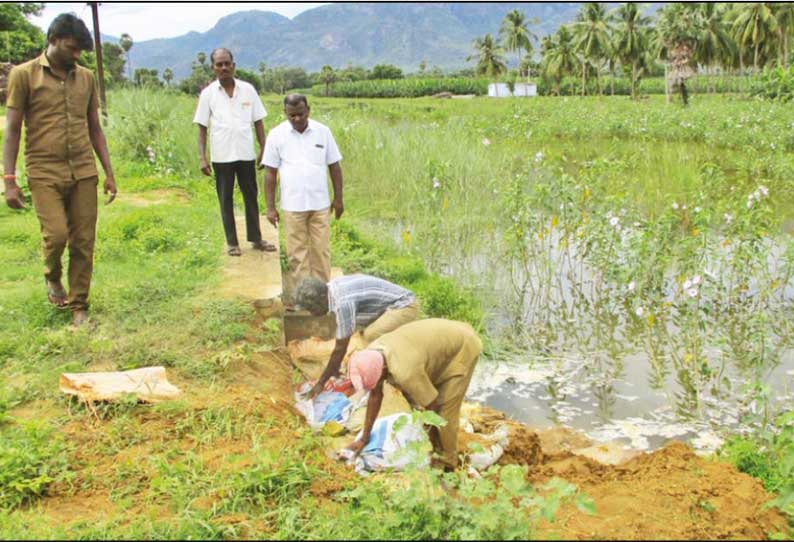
<point x="100" y="70"/>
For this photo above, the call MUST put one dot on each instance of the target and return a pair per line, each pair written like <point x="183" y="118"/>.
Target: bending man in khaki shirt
<point x="57" y="99"/>
<point x="431" y="362"/>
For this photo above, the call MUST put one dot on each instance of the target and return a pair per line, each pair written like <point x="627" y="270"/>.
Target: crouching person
<point x="374" y="304"/>
<point x="431" y="362"/>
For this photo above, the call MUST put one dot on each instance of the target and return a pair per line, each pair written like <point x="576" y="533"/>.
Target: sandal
<point x="264" y="246"/>
<point x="234" y="251"/>
<point x="56" y="295"/>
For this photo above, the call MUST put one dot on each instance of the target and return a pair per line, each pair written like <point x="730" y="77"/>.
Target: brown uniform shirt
<point x="57" y="145"/>
<point x="422" y="355"/>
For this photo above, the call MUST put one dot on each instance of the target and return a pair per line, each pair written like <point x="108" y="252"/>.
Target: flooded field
<point x="635" y="288"/>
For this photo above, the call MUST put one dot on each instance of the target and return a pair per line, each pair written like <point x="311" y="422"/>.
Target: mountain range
<point x="362" y="34"/>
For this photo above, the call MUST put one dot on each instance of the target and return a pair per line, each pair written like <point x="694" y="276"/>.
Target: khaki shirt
<point x="422" y="355"/>
<point x="57" y="144"/>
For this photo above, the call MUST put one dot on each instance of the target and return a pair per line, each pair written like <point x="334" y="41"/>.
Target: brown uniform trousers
<point x="67" y="212"/>
<point x="391" y="320"/>
<point x="308" y="240"/>
<point x="433" y="359"/>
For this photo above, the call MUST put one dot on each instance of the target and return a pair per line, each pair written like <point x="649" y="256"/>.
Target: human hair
<point x="295" y="99"/>
<point x="312" y="295"/>
<point x="69" y="25"/>
<point x="220" y="50"/>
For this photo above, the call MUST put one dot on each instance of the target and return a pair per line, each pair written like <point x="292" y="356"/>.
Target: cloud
<point x="144" y="21"/>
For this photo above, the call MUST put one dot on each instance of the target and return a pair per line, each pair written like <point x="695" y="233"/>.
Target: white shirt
<point x="229" y="120"/>
<point x="302" y="161"/>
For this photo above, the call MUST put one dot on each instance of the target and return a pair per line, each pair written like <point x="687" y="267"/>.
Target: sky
<point x="145" y="21"/>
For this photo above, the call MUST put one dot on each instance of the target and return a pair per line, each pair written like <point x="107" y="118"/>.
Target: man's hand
<point x="14" y="197"/>
<point x="110" y="188"/>
<point x="206" y="169"/>
<point x="338" y="208"/>
<point x="259" y="164"/>
<point x="356" y="446"/>
<point x="315" y="391"/>
<point x="272" y="217"/>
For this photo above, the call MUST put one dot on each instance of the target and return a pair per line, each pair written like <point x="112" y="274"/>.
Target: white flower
<point x="675" y="206"/>
<point x="486" y="141"/>
<point x="436" y="183"/>
<point x="772" y="146"/>
<point x="636" y="224"/>
<point x="515" y="116"/>
<point x="696" y="210"/>
<point x="696" y="280"/>
<point x="639" y="311"/>
<point x="764" y="190"/>
<point x="539" y="156"/>
<point x="632" y="286"/>
<point x="749" y="204"/>
<point x="757" y="195"/>
<point x="614" y="221"/>
<point x="687" y="284"/>
<point x="692" y="292"/>
<point x="622" y="212"/>
<point x="683" y="207"/>
<point x="728" y="218"/>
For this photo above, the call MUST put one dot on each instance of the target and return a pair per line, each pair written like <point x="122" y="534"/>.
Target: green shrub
<point x="31" y="458"/>
<point x="768" y="456"/>
<point x="775" y="84"/>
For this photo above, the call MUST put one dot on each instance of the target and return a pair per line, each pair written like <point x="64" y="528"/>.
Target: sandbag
<point x="395" y="443"/>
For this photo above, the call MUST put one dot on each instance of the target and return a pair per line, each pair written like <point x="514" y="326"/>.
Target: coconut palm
<point x="559" y="56"/>
<point x="784" y="15"/>
<point x="754" y="25"/>
<point x="591" y="37"/>
<point x="125" y="42"/>
<point x="715" y="44"/>
<point x="168" y="74"/>
<point x="489" y="55"/>
<point x="679" y="27"/>
<point x="515" y="34"/>
<point x="630" y="40"/>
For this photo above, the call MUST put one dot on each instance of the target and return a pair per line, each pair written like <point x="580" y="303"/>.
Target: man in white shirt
<point x="303" y="152"/>
<point x="228" y="106"/>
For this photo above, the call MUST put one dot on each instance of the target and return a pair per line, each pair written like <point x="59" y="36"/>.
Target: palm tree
<point x="201" y="57"/>
<point x="715" y="44"/>
<point x="784" y="14"/>
<point x="591" y="31"/>
<point x="679" y="27"/>
<point x="630" y="41"/>
<point x="489" y="55"/>
<point x="516" y="35"/>
<point x="125" y="42"/>
<point x="168" y="74"/>
<point x="327" y="76"/>
<point x="559" y="56"/>
<point x="754" y="25"/>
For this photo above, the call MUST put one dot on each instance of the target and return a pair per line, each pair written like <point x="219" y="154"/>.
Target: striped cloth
<point x="359" y="300"/>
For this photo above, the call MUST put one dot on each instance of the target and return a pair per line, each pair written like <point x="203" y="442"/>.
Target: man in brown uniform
<point x="431" y="362"/>
<point x="57" y="99"/>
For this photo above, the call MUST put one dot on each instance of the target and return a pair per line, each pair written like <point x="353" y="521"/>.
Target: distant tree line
<point x="677" y="40"/>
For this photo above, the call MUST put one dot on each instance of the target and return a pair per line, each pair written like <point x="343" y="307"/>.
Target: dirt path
<point x="256" y="275"/>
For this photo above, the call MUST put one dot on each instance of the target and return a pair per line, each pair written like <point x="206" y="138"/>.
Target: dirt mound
<point x="668" y="494"/>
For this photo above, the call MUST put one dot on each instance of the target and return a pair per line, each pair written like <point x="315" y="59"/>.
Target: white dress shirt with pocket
<point x="302" y="161"/>
<point x="229" y="119"/>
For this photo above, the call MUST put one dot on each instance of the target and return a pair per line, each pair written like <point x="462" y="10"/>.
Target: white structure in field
<point x="501" y="90"/>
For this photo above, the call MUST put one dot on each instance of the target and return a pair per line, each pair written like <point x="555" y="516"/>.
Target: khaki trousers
<point x="308" y="240"/>
<point x="67" y="212"/>
<point x="450" y="397"/>
<point x="391" y="320"/>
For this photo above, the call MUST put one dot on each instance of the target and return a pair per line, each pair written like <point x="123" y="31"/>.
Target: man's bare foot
<point x="79" y="318"/>
<point x="56" y="295"/>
